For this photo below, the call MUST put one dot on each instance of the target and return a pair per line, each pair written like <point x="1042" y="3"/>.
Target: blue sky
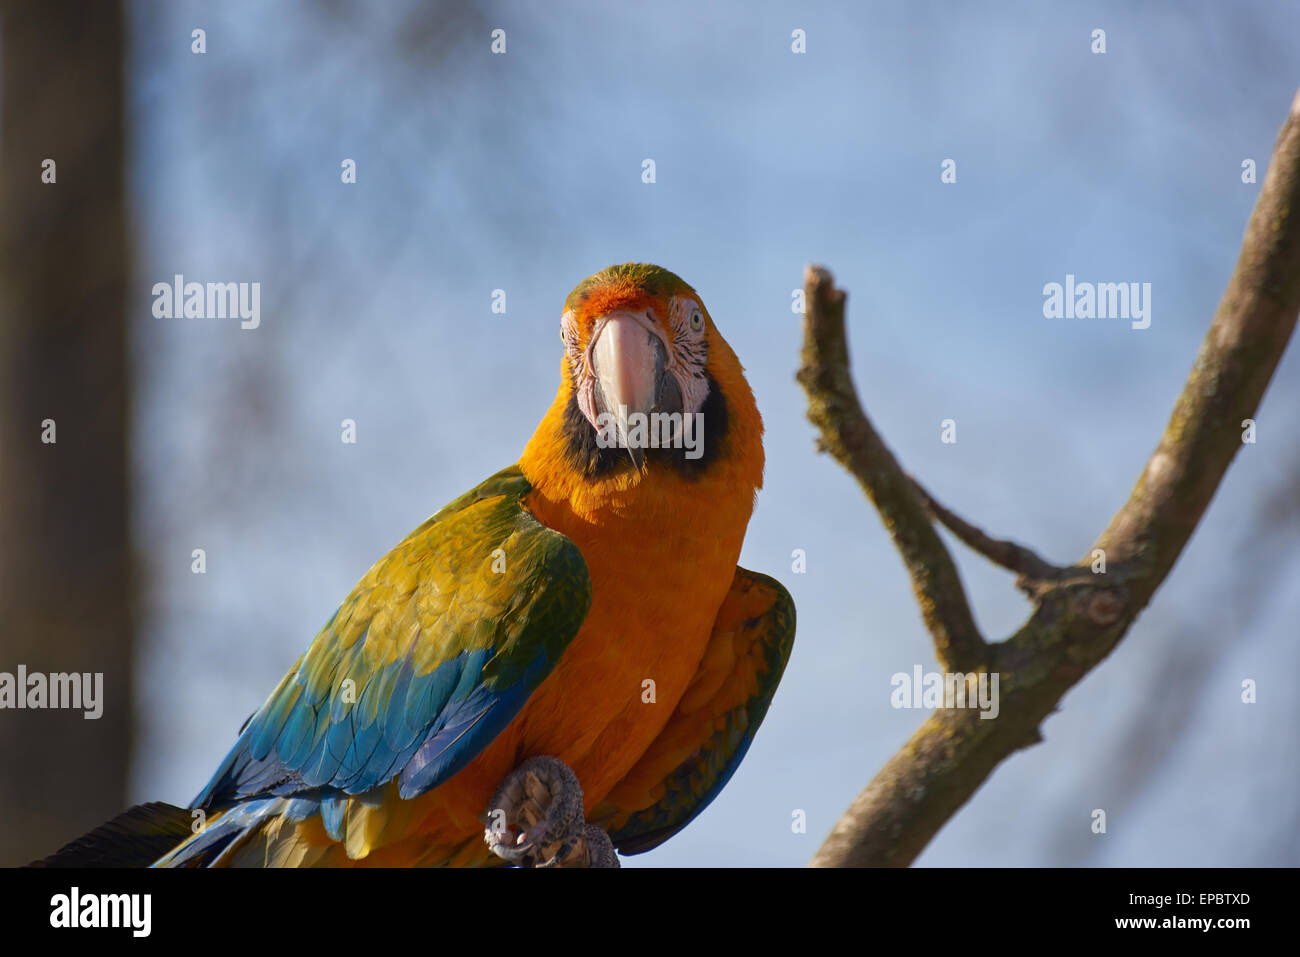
<point x="523" y="172"/>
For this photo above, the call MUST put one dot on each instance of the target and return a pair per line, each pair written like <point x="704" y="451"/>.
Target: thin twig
<point x="1010" y="555"/>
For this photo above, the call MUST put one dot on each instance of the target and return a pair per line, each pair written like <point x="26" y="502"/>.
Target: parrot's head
<point x="648" y="385"/>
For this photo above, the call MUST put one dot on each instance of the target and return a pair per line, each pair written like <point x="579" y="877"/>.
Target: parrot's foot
<point x="535" y="820"/>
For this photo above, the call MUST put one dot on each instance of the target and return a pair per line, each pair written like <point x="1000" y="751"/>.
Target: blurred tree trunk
<point x="65" y="569"/>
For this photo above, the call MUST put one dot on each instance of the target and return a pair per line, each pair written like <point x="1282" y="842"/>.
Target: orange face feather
<point x="701" y="377"/>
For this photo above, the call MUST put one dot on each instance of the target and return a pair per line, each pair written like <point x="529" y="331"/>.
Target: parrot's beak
<point x="629" y="357"/>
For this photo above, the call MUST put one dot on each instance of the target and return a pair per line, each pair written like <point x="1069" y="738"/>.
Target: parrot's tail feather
<point x="239" y="835"/>
<point x="135" y="838"/>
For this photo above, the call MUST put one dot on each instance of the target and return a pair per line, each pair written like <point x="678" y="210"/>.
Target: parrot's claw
<point x="535" y="820"/>
<point x="597" y="848"/>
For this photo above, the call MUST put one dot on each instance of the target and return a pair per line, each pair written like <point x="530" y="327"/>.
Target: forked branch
<point x="1078" y="616"/>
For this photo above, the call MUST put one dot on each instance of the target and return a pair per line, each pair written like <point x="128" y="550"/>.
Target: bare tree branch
<point x="1078" y="617"/>
<point x="847" y="434"/>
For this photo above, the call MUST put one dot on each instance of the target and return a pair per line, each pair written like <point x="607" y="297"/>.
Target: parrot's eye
<point x="697" y="320"/>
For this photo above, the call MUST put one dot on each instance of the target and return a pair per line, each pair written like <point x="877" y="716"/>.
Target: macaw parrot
<point x="563" y="663"/>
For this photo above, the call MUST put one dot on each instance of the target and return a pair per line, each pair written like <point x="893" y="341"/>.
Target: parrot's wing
<point x="428" y="660"/>
<point x="715" y="721"/>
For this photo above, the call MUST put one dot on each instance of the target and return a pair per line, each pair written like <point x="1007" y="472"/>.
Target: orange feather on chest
<point x="661" y="556"/>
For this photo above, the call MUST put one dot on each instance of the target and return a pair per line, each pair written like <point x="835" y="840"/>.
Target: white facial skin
<point x="619" y="367"/>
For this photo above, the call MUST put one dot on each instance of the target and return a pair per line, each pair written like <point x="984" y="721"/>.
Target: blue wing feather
<point x="311" y="741"/>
